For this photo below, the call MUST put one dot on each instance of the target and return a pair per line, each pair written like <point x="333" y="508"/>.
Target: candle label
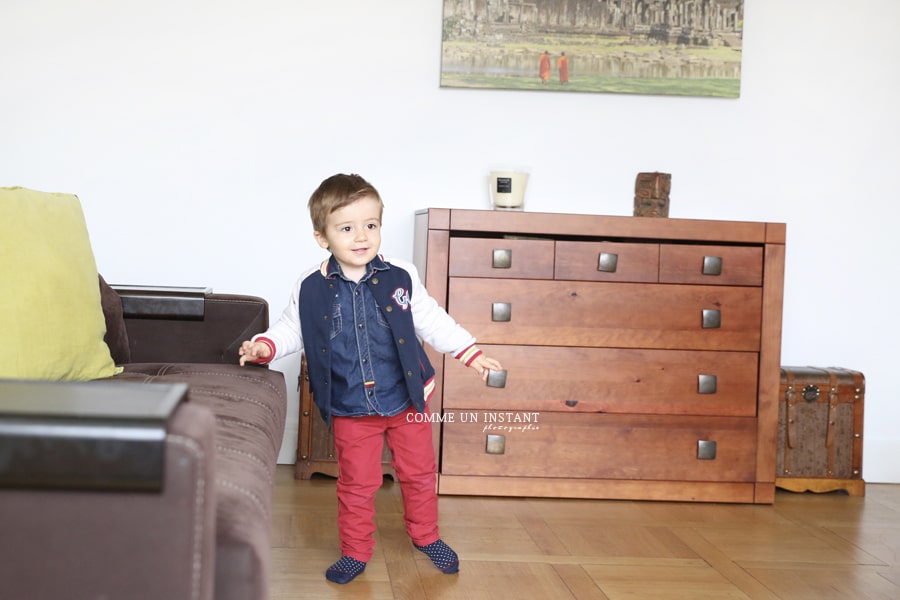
<point x="504" y="185"/>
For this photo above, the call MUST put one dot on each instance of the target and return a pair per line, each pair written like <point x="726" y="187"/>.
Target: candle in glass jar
<point x="508" y="189"/>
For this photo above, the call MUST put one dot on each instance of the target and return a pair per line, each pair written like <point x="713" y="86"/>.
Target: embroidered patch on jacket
<point x="401" y="297"/>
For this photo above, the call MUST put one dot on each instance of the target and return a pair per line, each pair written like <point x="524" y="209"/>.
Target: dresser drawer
<point x="711" y="265"/>
<point x="607" y="261"/>
<point x="501" y="258"/>
<point x="611" y="380"/>
<point x="644" y="447"/>
<point x="598" y="314"/>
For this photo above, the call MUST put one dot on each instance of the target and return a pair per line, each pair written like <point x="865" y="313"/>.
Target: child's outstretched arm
<point x="281" y="339"/>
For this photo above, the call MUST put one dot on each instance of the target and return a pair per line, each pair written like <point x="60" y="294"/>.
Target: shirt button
<point x="389" y="309"/>
<point x="401" y="341"/>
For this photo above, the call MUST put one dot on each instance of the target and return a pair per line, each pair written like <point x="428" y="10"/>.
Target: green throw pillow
<point x="51" y="321"/>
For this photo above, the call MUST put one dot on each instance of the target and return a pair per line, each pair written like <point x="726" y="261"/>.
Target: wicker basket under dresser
<point x="641" y="356"/>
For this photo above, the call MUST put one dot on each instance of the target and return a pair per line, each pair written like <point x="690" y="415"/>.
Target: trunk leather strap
<point x="791" y="416"/>
<point x="832" y="420"/>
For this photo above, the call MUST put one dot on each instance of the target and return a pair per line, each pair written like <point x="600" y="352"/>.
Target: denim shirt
<point x="367" y="377"/>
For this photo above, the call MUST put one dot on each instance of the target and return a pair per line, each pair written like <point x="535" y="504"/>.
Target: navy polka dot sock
<point x="344" y="570"/>
<point x="442" y="555"/>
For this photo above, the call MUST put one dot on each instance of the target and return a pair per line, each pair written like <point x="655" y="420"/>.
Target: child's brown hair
<point x="337" y="192"/>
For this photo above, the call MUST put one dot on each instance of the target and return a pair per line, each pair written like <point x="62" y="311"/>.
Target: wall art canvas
<point x="670" y="47"/>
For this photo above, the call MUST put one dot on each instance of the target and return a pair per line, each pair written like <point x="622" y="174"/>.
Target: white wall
<point x="194" y="132"/>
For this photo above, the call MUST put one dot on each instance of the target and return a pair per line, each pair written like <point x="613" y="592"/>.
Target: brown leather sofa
<point x="206" y="533"/>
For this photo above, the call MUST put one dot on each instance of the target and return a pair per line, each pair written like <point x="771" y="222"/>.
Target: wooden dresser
<point x="641" y="355"/>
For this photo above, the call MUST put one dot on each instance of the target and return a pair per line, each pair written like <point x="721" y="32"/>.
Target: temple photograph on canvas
<point x="669" y="47"/>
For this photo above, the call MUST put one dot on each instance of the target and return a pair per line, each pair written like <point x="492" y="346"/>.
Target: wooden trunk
<point x="315" y="443"/>
<point x="820" y="430"/>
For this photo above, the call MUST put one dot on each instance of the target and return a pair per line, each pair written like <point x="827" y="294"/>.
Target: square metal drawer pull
<point x="502" y="259"/>
<point x="706" y="384"/>
<point x="712" y="318"/>
<point x="712" y="265"/>
<point x="496" y="379"/>
<point x="706" y="450"/>
<point x="496" y="444"/>
<point x="501" y="311"/>
<point x="608" y="262"/>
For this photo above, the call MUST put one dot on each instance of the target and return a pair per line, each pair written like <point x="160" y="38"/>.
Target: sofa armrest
<point x="85" y="435"/>
<point x="114" y="544"/>
<point x="189" y="325"/>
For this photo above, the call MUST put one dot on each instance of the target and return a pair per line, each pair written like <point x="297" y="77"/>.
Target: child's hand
<point x="254" y="351"/>
<point x="484" y="364"/>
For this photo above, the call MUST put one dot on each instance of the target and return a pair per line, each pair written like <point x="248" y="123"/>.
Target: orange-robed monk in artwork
<point x="545" y="67"/>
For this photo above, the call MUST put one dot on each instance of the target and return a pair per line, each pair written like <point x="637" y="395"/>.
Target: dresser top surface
<point x="662" y="228"/>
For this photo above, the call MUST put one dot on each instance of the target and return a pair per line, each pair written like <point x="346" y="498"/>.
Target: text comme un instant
<point x="492" y="420"/>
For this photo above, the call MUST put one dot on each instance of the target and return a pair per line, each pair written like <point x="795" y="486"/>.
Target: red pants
<point x="358" y="442"/>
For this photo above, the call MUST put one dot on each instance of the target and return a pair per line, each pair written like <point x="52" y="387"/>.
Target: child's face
<point x="353" y="235"/>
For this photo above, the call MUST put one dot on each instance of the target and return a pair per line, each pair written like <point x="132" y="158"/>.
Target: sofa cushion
<point x="249" y="404"/>
<point x="50" y="311"/>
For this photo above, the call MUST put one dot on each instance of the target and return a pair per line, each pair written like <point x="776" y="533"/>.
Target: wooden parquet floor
<point x="805" y="546"/>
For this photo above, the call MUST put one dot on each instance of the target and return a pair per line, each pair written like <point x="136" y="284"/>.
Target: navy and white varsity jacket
<point x="414" y="317"/>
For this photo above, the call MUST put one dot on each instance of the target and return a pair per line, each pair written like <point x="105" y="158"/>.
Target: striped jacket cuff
<point x="468" y="355"/>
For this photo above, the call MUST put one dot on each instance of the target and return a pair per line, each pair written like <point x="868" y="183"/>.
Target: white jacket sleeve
<point x="433" y="325"/>
<point x="285" y="332"/>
